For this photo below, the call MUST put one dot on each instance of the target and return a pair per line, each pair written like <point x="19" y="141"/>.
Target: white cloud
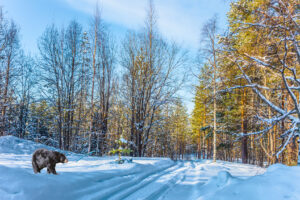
<point x="129" y="13"/>
<point x="179" y="20"/>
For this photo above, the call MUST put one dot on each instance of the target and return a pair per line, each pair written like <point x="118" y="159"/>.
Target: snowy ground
<point x="145" y="178"/>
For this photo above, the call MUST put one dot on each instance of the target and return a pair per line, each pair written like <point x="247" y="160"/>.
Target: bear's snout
<point x="66" y="160"/>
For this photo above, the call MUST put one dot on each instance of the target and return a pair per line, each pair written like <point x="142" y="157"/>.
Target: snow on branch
<point x="291" y="133"/>
<point x="243" y="86"/>
<point x="276" y="119"/>
<point x="264" y="131"/>
<point x="262" y="25"/>
<point x="260" y="62"/>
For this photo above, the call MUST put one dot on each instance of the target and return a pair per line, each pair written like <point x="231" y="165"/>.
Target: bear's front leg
<point x="51" y="169"/>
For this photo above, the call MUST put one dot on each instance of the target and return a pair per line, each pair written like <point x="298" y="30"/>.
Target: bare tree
<point x="72" y="60"/>
<point x="96" y="31"/>
<point x="105" y="78"/>
<point x="9" y="51"/>
<point x="83" y="93"/>
<point x="60" y="60"/>
<point x="51" y="62"/>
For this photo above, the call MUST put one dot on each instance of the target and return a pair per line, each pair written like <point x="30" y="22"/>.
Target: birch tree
<point x="210" y="48"/>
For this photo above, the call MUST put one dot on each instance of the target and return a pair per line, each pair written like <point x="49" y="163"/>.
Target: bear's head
<point x="61" y="158"/>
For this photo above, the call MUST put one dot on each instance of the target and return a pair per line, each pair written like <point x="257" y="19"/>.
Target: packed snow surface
<point x="145" y="178"/>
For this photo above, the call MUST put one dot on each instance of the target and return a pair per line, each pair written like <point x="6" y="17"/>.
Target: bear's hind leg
<point x="35" y="168"/>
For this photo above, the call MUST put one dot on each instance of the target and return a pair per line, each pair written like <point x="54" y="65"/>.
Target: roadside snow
<point x="278" y="183"/>
<point x="144" y="178"/>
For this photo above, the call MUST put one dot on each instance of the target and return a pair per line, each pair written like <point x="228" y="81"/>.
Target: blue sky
<point x="178" y="20"/>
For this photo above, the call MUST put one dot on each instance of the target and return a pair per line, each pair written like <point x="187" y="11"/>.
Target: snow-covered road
<point x="101" y="178"/>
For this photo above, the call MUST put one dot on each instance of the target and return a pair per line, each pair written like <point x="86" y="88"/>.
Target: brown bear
<point x="45" y="158"/>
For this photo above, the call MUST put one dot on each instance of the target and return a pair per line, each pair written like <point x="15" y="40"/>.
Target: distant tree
<point x="180" y="132"/>
<point x="40" y="121"/>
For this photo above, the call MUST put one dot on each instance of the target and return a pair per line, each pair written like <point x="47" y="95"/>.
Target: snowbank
<point x="277" y="183"/>
<point x="11" y="144"/>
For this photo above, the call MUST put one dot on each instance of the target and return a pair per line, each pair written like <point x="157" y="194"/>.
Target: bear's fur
<point x="45" y="158"/>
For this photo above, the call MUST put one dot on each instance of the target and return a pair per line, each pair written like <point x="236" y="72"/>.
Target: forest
<point x="87" y="92"/>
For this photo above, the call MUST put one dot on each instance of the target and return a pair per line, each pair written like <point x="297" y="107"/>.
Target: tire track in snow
<point x="177" y="179"/>
<point x="164" y="184"/>
<point x="189" y="186"/>
<point x="126" y="192"/>
<point x="107" y="188"/>
<point x="102" y="182"/>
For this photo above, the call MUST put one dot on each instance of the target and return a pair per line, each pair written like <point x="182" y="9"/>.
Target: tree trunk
<point x="244" y="147"/>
